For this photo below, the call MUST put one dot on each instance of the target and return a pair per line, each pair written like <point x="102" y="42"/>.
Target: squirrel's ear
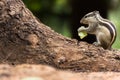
<point x="96" y="12"/>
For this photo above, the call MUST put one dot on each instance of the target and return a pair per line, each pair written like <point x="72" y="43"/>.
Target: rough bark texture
<point x="24" y="39"/>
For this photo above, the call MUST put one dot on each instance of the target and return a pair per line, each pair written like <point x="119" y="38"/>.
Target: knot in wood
<point x="32" y="39"/>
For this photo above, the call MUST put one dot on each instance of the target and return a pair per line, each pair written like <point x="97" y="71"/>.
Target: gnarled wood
<point x="24" y="39"/>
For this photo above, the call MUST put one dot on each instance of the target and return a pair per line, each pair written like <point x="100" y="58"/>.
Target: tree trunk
<point x="24" y="39"/>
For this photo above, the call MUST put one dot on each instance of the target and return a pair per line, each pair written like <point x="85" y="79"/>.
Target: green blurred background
<point x="63" y="16"/>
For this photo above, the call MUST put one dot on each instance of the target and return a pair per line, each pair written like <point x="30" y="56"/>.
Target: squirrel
<point x="103" y="29"/>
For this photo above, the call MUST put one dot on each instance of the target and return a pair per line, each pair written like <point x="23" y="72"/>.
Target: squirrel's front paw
<point x="82" y="28"/>
<point x="96" y="44"/>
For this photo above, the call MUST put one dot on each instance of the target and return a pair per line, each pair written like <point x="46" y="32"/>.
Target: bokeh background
<point x="63" y="16"/>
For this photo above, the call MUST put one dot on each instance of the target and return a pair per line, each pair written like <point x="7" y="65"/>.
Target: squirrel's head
<point x="90" y="17"/>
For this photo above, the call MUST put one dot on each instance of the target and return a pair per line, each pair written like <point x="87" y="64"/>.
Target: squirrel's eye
<point x="85" y="17"/>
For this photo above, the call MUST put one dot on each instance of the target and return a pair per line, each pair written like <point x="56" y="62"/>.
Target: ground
<point x="42" y="72"/>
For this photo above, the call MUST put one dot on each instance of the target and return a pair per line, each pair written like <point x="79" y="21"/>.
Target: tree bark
<point x="24" y="39"/>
